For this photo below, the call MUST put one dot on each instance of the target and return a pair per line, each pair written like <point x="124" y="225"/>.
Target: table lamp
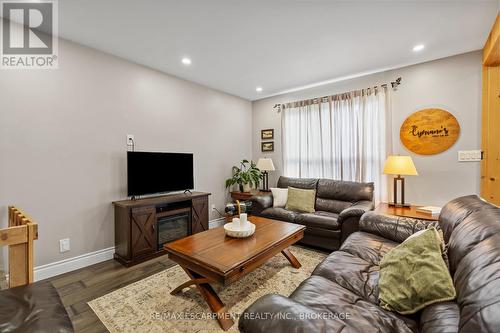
<point x="265" y="165"/>
<point x="399" y="166"/>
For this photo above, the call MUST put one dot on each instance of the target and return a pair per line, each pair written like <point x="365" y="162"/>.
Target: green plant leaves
<point x="248" y="173"/>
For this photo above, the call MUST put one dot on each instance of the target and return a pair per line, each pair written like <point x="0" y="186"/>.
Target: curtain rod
<point x="394" y="85"/>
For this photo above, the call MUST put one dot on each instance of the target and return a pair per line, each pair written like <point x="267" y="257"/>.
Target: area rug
<point x="147" y="306"/>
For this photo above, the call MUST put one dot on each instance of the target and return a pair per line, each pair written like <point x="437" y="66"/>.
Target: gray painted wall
<point x="452" y="83"/>
<point x="63" y="141"/>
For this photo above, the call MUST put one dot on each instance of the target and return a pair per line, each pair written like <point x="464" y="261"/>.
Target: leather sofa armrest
<point x="356" y="210"/>
<point x="349" y="217"/>
<point x="395" y="228"/>
<point x="261" y="202"/>
<point x="276" y="313"/>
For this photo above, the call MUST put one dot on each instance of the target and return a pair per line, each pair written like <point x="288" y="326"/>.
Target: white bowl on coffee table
<point x="246" y="230"/>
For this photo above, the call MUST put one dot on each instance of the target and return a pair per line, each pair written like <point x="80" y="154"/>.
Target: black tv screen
<point x="149" y="173"/>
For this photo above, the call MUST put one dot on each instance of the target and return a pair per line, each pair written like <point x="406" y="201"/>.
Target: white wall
<point x="63" y="141"/>
<point x="452" y="83"/>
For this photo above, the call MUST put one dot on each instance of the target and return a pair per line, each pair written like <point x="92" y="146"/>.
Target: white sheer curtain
<point x="344" y="137"/>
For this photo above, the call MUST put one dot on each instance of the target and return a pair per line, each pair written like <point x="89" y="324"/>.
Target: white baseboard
<point x="71" y="264"/>
<point x="216" y="223"/>
<point x="67" y="265"/>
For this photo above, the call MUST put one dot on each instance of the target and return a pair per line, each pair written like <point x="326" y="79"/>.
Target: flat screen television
<point x="149" y="173"/>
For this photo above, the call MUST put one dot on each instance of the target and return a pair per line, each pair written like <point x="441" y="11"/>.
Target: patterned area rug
<point x="147" y="306"/>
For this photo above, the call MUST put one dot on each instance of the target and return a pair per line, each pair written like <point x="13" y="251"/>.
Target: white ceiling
<point x="237" y="45"/>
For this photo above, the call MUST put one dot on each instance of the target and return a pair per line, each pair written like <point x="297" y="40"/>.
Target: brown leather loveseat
<point x="339" y="206"/>
<point x="341" y="295"/>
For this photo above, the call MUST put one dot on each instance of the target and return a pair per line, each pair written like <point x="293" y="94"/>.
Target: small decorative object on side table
<point x="411" y="211"/>
<point x="265" y="165"/>
<point x="399" y="166"/>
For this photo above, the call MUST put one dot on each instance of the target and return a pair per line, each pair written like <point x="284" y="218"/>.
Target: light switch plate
<point x="469" y="155"/>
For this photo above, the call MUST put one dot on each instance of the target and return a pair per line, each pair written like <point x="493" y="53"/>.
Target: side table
<point x="405" y="212"/>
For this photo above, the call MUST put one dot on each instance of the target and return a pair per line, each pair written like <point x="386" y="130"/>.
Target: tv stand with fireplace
<point x="142" y="226"/>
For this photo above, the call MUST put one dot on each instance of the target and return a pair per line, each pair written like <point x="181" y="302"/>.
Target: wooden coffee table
<point x="211" y="257"/>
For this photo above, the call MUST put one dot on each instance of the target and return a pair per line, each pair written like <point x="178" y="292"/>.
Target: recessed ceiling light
<point x="418" y="47"/>
<point x="186" y="61"/>
<point x="258" y="89"/>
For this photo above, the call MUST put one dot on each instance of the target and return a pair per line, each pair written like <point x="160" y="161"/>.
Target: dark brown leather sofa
<point x="342" y="293"/>
<point x="34" y="308"/>
<point x="339" y="206"/>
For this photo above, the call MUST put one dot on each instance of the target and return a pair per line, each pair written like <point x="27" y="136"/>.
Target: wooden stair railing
<point x="19" y="236"/>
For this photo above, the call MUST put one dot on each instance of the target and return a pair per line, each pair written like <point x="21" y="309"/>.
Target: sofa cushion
<point x="279" y="214"/>
<point x="303" y="183"/>
<point x="369" y="247"/>
<point x="335" y="196"/>
<point x="345" y="190"/>
<point x="356" y="266"/>
<point x="351" y="272"/>
<point x="319" y="219"/>
<point x="476" y="227"/>
<point x="33" y="308"/>
<point x="332" y="205"/>
<point x="392" y="227"/>
<point x="325" y="296"/>
<point x="323" y="238"/>
<point x="280" y="196"/>
<point x="300" y="200"/>
<point x="260" y="317"/>
<point x="441" y="317"/>
<point x="474" y="251"/>
<point x="413" y="275"/>
<point x="456" y="211"/>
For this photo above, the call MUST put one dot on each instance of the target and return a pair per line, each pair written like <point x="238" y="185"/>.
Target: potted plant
<point x="246" y="176"/>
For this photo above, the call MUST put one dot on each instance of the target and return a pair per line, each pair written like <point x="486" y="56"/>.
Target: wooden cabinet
<point x="199" y="215"/>
<point x="137" y="221"/>
<point x="143" y="233"/>
<point x="490" y="165"/>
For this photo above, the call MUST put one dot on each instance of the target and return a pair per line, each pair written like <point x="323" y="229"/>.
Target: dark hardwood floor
<point x="78" y="287"/>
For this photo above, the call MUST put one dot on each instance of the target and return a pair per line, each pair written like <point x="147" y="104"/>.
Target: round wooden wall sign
<point x="429" y="131"/>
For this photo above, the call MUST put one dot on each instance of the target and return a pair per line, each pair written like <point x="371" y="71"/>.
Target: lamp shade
<point x="265" y="164"/>
<point x="400" y="165"/>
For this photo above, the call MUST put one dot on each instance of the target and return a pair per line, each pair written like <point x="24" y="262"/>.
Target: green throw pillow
<point x="301" y="200"/>
<point x="414" y="275"/>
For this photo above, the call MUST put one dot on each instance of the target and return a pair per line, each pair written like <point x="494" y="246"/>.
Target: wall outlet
<point x="130" y="139"/>
<point x="64" y="245"/>
<point x="213" y="207"/>
<point x="470" y="155"/>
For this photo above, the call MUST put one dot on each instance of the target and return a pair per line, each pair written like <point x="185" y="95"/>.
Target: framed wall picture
<point x="267" y="146"/>
<point x="267" y="134"/>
